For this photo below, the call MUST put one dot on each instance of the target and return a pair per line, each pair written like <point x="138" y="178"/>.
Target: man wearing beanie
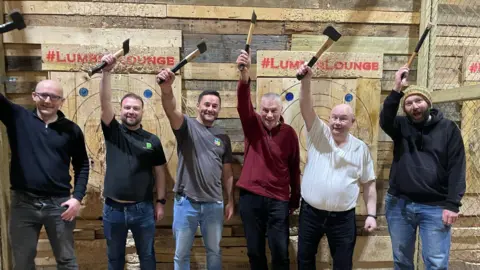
<point x="427" y="177"/>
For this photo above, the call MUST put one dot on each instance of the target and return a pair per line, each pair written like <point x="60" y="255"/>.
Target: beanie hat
<point x="417" y="90"/>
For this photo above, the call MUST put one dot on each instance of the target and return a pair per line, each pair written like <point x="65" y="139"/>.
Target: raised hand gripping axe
<point x="201" y="48"/>
<point x="249" y="37"/>
<point x="333" y="35"/>
<point x="17" y="22"/>
<point x="122" y="52"/>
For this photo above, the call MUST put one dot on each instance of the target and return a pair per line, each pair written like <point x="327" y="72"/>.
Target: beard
<point x="422" y="119"/>
<point x="131" y="122"/>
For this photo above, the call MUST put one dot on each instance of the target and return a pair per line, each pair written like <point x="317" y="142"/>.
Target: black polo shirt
<point x="131" y="158"/>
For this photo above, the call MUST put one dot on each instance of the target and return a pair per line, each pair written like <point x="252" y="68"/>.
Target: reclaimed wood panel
<point x="226" y="48"/>
<point x="215" y="71"/>
<point x="351" y="29"/>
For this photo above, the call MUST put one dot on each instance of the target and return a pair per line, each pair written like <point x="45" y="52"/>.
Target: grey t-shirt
<point x="202" y="151"/>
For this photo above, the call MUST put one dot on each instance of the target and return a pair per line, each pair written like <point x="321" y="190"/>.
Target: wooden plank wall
<point x="382" y="26"/>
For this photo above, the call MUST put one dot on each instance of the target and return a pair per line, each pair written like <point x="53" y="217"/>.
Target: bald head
<point x="341" y="120"/>
<point x="344" y="109"/>
<point x="50" y="86"/>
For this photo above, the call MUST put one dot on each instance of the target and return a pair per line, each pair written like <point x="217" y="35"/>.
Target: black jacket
<point x="428" y="159"/>
<point x="42" y="154"/>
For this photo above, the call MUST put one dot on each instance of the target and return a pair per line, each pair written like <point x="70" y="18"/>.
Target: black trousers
<point x="340" y="228"/>
<point x="261" y="215"/>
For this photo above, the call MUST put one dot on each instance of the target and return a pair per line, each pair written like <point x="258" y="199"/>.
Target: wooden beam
<point x="285" y="14"/>
<point x="5" y="261"/>
<point x="94" y="36"/>
<point x="423" y="56"/>
<point x="468" y="92"/>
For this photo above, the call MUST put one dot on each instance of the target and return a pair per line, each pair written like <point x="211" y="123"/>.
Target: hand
<point x="399" y="82"/>
<point x="305" y="69"/>
<point x="245" y="59"/>
<point x="449" y="217"/>
<point x="110" y="60"/>
<point x="370" y="224"/>
<point x="159" y="212"/>
<point x="229" y="211"/>
<point x="291" y="210"/>
<point x="168" y="76"/>
<point x="72" y="210"/>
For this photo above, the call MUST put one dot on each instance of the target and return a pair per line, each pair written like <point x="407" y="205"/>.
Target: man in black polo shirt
<point x="43" y="144"/>
<point x="135" y="160"/>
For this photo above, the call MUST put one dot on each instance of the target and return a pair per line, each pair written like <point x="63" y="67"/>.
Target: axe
<point x="249" y="37"/>
<point x="201" y="48"/>
<point x="123" y="51"/>
<point x="16" y="23"/>
<point x="333" y="35"/>
<point x="419" y="45"/>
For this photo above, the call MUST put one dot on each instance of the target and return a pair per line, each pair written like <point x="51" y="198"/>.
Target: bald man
<point x="337" y="163"/>
<point x="44" y="143"/>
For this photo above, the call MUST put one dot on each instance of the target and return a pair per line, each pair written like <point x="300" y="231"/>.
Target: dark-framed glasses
<point x="44" y="96"/>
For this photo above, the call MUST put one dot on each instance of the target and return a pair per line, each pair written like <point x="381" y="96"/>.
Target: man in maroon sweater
<point x="270" y="179"/>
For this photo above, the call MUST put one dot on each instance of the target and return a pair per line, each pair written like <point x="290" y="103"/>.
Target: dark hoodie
<point x="428" y="158"/>
<point x="271" y="166"/>
<point x="41" y="154"/>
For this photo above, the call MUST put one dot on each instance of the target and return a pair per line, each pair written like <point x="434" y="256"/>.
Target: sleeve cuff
<point x="454" y="207"/>
<point x="77" y="195"/>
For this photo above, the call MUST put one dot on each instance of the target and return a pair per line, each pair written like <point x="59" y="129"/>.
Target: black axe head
<point x="254" y="17"/>
<point x="17" y="20"/>
<point x="126" y="46"/>
<point x="332" y="33"/>
<point x="202" y="47"/>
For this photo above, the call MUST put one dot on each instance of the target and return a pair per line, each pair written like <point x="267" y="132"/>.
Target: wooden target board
<point x="82" y="105"/>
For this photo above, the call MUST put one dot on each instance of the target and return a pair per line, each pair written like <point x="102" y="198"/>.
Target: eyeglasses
<point x="44" y="96"/>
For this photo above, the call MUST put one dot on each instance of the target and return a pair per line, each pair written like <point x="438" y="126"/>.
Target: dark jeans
<point x="118" y="218"/>
<point x="28" y="213"/>
<point x="262" y="215"/>
<point x="340" y="228"/>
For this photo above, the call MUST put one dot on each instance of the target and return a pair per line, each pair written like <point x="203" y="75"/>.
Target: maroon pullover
<point x="271" y="166"/>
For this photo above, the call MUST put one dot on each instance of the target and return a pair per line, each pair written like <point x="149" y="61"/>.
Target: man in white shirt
<point x="337" y="163"/>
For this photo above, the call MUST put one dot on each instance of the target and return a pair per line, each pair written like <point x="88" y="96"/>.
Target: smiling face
<point x="131" y="112"/>
<point x="208" y="109"/>
<point x="270" y="111"/>
<point x="48" y="97"/>
<point x="341" y="119"/>
<point x="416" y="107"/>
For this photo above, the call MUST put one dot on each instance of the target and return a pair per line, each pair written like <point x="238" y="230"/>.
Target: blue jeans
<point x="187" y="216"/>
<point x="403" y="218"/>
<point x="118" y="218"/>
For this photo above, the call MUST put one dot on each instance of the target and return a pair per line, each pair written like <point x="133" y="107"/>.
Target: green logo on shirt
<point x="217" y="142"/>
<point x="148" y="146"/>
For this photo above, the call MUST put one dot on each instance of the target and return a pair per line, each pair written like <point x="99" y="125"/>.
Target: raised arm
<point x="106" y="90"/>
<point x="6" y="110"/>
<point x="306" y="105"/>
<point x="248" y="116"/>
<point x="388" y="115"/>
<point x="169" y="103"/>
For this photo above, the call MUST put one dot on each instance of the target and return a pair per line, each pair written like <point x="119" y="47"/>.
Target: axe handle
<point x="242" y="66"/>
<point x="409" y="63"/>
<point x="314" y="59"/>
<point x="178" y="66"/>
<point x="100" y="66"/>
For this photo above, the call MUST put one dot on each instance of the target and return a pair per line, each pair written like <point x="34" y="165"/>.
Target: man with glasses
<point x="43" y="144"/>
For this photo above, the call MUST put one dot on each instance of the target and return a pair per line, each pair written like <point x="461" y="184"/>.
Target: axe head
<point x="332" y="33"/>
<point x="126" y="46"/>
<point x="202" y="47"/>
<point x="17" y="20"/>
<point x="254" y="17"/>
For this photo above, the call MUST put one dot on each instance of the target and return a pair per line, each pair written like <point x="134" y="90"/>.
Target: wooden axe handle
<point x="314" y="59"/>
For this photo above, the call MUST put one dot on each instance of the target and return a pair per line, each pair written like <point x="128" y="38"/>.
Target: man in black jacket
<point x="44" y="143"/>
<point x="427" y="177"/>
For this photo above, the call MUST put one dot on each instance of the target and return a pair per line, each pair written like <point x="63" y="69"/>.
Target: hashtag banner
<point x="339" y="65"/>
<point x="81" y="58"/>
<point x="471" y="67"/>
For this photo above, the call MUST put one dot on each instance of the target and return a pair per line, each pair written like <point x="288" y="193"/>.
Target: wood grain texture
<point x="226" y="48"/>
<point x="86" y="8"/>
<point x="94" y="36"/>
<point x="23" y="82"/>
<point x="280" y="14"/>
<point x="215" y="71"/>
<point x="386" y="45"/>
<point x="353" y="29"/>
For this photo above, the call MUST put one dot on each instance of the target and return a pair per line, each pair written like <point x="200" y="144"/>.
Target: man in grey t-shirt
<point x="204" y="160"/>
